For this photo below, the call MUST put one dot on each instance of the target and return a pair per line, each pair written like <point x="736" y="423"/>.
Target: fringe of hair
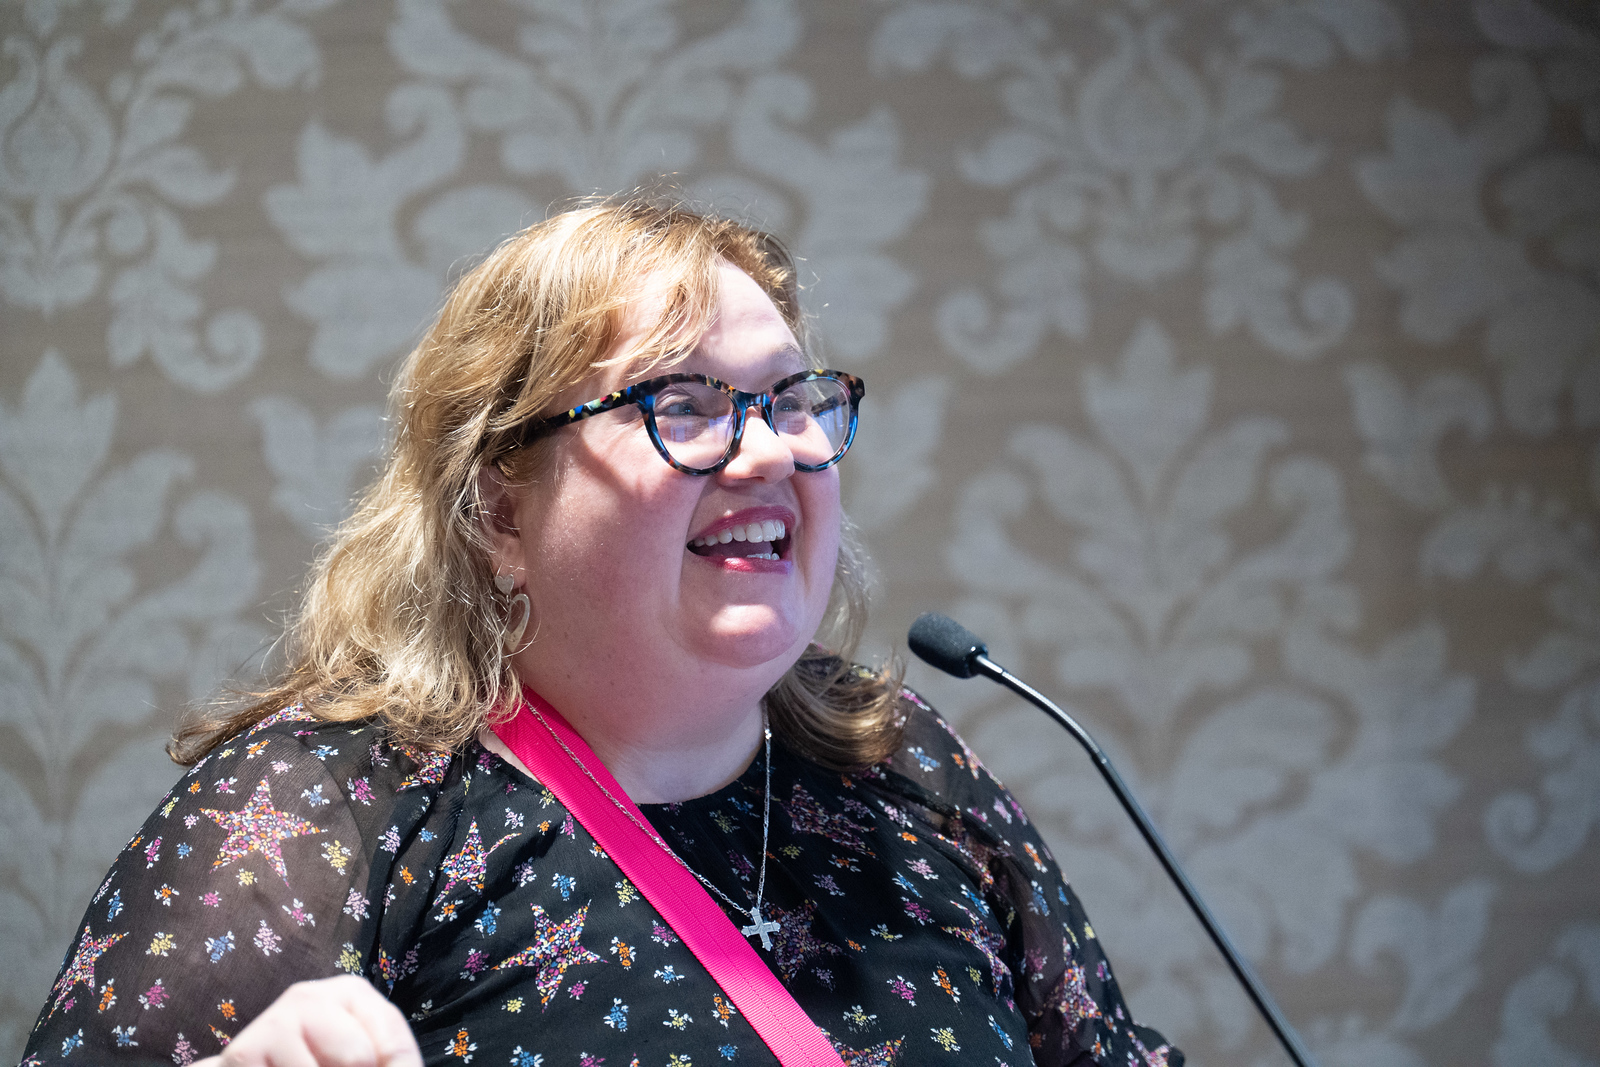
<point x="400" y="622"/>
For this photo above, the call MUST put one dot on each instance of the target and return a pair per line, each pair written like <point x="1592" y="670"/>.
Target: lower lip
<point x="746" y="565"/>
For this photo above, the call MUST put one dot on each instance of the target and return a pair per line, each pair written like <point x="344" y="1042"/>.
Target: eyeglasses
<point x="696" y="422"/>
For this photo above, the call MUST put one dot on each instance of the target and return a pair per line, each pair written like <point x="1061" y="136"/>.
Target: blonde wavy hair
<point x="400" y="622"/>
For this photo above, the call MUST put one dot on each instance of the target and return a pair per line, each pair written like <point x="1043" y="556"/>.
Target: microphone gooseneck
<point x="946" y="644"/>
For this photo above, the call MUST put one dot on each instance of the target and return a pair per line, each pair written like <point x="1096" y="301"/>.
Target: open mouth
<point x="767" y="539"/>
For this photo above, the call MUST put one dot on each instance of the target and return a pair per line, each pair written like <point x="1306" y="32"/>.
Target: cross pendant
<point x="761" y="928"/>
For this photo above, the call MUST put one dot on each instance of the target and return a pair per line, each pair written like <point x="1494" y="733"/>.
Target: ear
<point x="499" y="517"/>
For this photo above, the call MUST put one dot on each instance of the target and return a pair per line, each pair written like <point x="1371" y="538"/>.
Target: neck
<point x="660" y="753"/>
<point x="664" y="770"/>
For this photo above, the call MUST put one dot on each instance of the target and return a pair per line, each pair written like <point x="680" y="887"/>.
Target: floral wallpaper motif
<point x="85" y="645"/>
<point x="1234" y="369"/>
<point x="1124" y="157"/>
<point x="94" y="177"/>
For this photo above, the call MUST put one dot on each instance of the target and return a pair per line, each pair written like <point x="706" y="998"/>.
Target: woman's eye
<point x="679" y="405"/>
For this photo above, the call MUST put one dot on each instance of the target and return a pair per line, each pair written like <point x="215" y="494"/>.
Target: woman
<point x="612" y="487"/>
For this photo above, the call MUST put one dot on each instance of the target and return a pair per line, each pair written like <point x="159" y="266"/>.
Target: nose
<point x="762" y="454"/>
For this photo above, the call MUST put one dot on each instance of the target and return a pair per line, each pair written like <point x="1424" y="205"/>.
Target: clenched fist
<point x="333" y="1022"/>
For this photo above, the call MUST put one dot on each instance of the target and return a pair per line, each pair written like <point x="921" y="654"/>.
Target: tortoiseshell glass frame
<point x="644" y="395"/>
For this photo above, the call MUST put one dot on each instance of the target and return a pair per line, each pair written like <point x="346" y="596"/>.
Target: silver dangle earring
<point x="520" y="608"/>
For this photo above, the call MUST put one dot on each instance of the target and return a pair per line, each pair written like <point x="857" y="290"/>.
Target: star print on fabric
<point x="810" y="817"/>
<point x="293" y="713"/>
<point x="1157" y="1058"/>
<point x="471" y="864"/>
<point x="883" y="1055"/>
<point x="1071" y="998"/>
<point x="907" y="991"/>
<point x="258" y="827"/>
<point x="431" y="767"/>
<point x="794" y="945"/>
<point x="555" y="948"/>
<point x="978" y="854"/>
<point x="985" y="941"/>
<point x="81" y="969"/>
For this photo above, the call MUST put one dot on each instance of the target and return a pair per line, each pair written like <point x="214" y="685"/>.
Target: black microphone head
<point x="944" y="643"/>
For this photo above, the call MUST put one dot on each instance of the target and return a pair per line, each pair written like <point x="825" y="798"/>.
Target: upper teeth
<point x="770" y="530"/>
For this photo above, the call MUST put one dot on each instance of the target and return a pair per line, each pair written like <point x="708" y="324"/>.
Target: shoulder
<point x="356" y="759"/>
<point x="933" y="755"/>
<point x="925" y="727"/>
<point x="935" y="769"/>
<point x="266" y="863"/>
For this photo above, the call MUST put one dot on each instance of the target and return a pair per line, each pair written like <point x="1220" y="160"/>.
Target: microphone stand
<point x="980" y="663"/>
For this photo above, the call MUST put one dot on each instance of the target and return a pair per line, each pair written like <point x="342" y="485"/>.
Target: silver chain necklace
<point x="758" y="927"/>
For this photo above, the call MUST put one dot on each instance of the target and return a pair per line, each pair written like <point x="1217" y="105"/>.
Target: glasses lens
<point x="695" y="422"/>
<point x="813" y="418"/>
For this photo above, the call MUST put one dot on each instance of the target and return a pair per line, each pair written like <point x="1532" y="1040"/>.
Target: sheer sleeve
<point x="1062" y="982"/>
<point x="265" y="865"/>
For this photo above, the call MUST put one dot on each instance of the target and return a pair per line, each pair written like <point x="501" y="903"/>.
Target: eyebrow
<point x="794" y="352"/>
<point x="787" y="352"/>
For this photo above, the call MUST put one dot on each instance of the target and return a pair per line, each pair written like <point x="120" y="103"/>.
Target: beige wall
<point x="1234" y="367"/>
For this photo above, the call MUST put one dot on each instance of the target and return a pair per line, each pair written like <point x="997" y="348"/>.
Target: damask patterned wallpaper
<point x="1234" y="365"/>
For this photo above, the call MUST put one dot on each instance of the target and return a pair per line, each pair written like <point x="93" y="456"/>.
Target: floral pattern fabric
<point x="922" y="918"/>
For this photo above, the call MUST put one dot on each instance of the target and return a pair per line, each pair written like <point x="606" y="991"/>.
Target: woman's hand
<point x="334" y="1022"/>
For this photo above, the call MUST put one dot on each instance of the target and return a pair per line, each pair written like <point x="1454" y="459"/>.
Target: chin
<point x="753" y="637"/>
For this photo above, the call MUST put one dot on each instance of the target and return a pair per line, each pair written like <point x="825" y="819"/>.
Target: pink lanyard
<point x="703" y="926"/>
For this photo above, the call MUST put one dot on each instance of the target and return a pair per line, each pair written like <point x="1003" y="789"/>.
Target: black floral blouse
<point x="923" y="919"/>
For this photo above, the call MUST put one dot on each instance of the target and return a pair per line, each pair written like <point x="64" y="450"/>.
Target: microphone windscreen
<point x="944" y="643"/>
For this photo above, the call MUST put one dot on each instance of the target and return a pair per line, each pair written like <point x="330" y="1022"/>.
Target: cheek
<point x="820" y="499"/>
<point x="607" y="532"/>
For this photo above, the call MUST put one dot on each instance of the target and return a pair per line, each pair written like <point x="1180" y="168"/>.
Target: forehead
<point x="746" y="342"/>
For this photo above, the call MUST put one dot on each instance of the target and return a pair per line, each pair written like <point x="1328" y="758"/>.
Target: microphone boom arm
<point x="979" y="663"/>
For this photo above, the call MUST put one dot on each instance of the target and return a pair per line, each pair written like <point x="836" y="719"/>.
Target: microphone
<point x="944" y="643"/>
